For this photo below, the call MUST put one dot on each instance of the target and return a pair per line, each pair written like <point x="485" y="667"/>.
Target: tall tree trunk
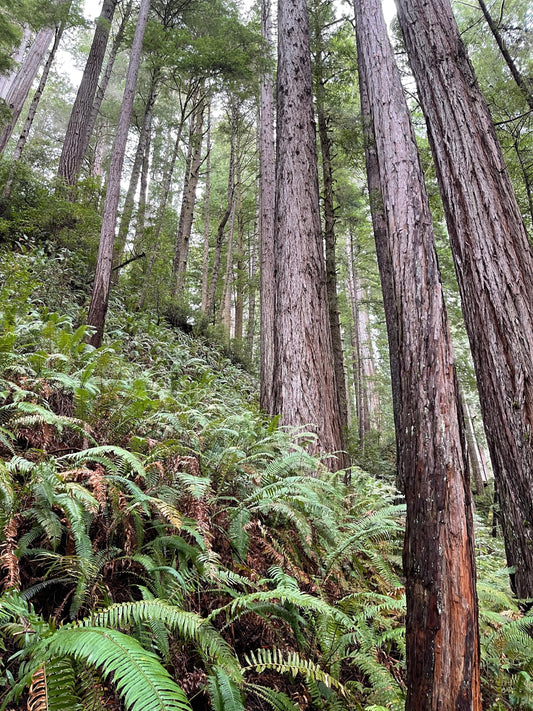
<point x="100" y="295"/>
<point x="474" y="456"/>
<point x="252" y="280"/>
<point x="189" y="199"/>
<point x="305" y="392"/>
<point x="492" y="257"/>
<point x="382" y="239"/>
<point x="442" y="643"/>
<point x="129" y="202"/>
<point x="205" y="260"/>
<point x="267" y="196"/>
<point x="522" y="82"/>
<point x="17" y="154"/>
<point x="106" y="77"/>
<point x="329" y="222"/>
<point x="210" y="310"/>
<point x="143" y="194"/>
<point x="239" y="269"/>
<point x="19" y="90"/>
<point x="6" y="80"/>
<point x="77" y="137"/>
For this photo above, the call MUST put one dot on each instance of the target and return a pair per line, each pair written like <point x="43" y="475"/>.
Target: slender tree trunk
<point x="521" y="82"/>
<point x="267" y="196"/>
<point x="235" y="169"/>
<point x="6" y="80"/>
<point x="102" y="88"/>
<point x="33" y="110"/>
<point x="100" y="295"/>
<point x="189" y="199"/>
<point x="205" y="260"/>
<point x="474" y="456"/>
<point x="210" y="311"/>
<point x="252" y="280"/>
<point x="239" y="267"/>
<point x="77" y="137"/>
<point x="360" y="411"/>
<point x="20" y="88"/>
<point x="305" y="392"/>
<point x="329" y="224"/>
<point x="382" y="239"/>
<point x="143" y="193"/>
<point x="492" y="257"/>
<point x="129" y="202"/>
<point x="442" y="643"/>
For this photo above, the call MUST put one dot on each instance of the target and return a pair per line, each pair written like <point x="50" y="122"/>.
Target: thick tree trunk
<point x="102" y="279"/>
<point x="267" y="196"/>
<point x="189" y="199"/>
<point x="442" y="643"/>
<point x="77" y="137"/>
<point x="305" y="392"/>
<point x="20" y="88"/>
<point x="492" y="257"/>
<point x="6" y="80"/>
<point x="21" y="143"/>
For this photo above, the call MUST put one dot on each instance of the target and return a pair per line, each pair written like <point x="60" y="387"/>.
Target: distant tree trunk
<point x="474" y="456"/>
<point x="360" y="401"/>
<point x="100" y="295"/>
<point x="522" y="82"/>
<point x="210" y="310"/>
<point x="6" y="80"/>
<point x="239" y="269"/>
<point x="189" y="199"/>
<point x="492" y="257"/>
<point x="329" y="224"/>
<point x="267" y="196"/>
<point x="17" y="154"/>
<point x="20" y="88"/>
<point x="143" y="192"/>
<point x="305" y="392"/>
<point x="102" y="88"/>
<point x="77" y="137"/>
<point x="129" y="202"/>
<point x="252" y="280"/>
<point x="205" y="260"/>
<point x="442" y="643"/>
<point x="235" y="169"/>
<point x="382" y="239"/>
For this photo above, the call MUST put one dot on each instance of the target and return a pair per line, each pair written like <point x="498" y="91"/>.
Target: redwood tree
<point x="102" y="279"/>
<point x="492" y="256"/>
<point x="304" y="391"/>
<point x="442" y="644"/>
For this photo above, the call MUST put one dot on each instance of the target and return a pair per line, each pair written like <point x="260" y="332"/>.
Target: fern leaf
<point x="224" y="694"/>
<point x="138" y="675"/>
<point x="292" y="663"/>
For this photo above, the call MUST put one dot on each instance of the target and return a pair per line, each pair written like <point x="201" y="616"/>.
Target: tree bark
<point x="21" y="143"/>
<point x="305" y="392"/>
<point x="492" y="258"/>
<point x="6" y="80"/>
<point x="205" y="260"/>
<point x="267" y="197"/>
<point x="77" y="136"/>
<point x="102" y="88"/>
<point x="329" y="224"/>
<point x="100" y="295"/>
<point x="189" y="199"/>
<point x="129" y="202"/>
<point x="442" y="643"/>
<point x="20" y="88"/>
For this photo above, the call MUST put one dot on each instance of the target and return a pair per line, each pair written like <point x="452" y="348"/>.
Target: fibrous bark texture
<point x="305" y="391"/>
<point x="492" y="258"/>
<point x="442" y="644"/>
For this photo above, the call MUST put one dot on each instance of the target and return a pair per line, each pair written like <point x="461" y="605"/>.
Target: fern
<point x="223" y="692"/>
<point x="137" y="674"/>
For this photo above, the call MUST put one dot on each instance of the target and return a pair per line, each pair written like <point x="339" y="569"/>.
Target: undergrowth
<point x="165" y="546"/>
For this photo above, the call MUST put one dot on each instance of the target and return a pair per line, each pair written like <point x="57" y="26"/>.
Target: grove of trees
<point x="266" y="355"/>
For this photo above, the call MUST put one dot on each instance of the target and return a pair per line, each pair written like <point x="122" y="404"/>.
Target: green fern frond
<point x="189" y="626"/>
<point x="53" y="687"/>
<point x="292" y="663"/>
<point x="137" y="674"/>
<point x="223" y="692"/>
<point x="277" y="700"/>
<point x="132" y="460"/>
